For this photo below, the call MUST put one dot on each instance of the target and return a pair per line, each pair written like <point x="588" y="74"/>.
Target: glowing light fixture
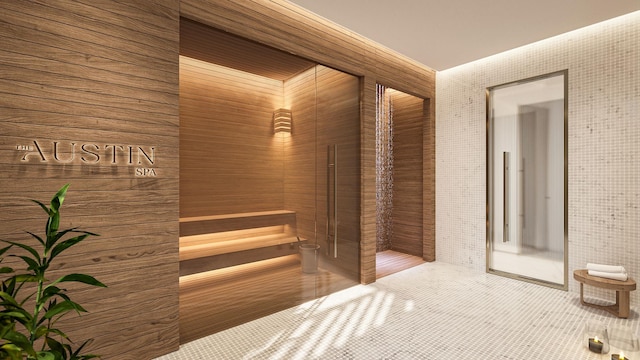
<point x="282" y="120"/>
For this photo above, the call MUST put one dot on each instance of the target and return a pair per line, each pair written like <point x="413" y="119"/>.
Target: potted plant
<point x="31" y="303"/>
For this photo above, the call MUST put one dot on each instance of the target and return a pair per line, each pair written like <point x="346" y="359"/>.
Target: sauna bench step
<point x="201" y="248"/>
<point x="239" y="221"/>
<point x="199" y="259"/>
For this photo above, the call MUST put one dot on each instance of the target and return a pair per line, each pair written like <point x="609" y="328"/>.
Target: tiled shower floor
<point x="432" y="311"/>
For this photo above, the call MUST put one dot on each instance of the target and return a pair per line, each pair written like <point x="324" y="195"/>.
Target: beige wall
<point x="603" y="133"/>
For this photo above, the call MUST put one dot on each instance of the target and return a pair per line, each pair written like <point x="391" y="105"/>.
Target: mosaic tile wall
<point x="603" y="61"/>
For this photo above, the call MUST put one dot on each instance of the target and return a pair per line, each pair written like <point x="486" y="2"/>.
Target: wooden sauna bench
<point x="218" y="241"/>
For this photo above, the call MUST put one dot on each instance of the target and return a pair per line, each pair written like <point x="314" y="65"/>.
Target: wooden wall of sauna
<point x="408" y="121"/>
<point x="230" y="159"/>
<point x="232" y="162"/>
<point x="107" y="73"/>
<point x="106" y="76"/>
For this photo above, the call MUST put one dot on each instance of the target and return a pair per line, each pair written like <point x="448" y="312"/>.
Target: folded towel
<point x="606" y="268"/>
<point x="608" y="275"/>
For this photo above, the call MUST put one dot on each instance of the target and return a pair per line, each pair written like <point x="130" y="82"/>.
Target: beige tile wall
<point x="603" y="61"/>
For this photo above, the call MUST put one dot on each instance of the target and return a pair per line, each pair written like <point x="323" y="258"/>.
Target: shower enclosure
<point x="527" y="180"/>
<point x="400" y="118"/>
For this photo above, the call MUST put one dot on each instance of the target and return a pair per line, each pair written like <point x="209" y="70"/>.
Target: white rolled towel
<point x="608" y="275"/>
<point x="606" y="268"/>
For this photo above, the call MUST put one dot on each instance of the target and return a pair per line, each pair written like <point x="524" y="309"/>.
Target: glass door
<point x="338" y="175"/>
<point x="526" y="179"/>
<point x="322" y="173"/>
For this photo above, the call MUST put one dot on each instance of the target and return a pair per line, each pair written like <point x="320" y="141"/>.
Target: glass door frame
<point x="489" y="182"/>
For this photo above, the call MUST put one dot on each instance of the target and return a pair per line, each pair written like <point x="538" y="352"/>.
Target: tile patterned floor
<point x="432" y="311"/>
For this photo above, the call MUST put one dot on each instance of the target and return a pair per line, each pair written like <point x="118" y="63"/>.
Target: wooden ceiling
<point x="215" y="46"/>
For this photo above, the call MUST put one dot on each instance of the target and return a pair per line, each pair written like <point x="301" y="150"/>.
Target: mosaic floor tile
<point x="432" y="311"/>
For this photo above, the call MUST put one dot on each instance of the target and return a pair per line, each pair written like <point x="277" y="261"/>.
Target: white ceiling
<point x="445" y="33"/>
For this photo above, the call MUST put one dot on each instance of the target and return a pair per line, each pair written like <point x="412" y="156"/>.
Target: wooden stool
<point x="622" y="288"/>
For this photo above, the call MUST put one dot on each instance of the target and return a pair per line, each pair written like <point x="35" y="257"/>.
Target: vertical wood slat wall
<point x="290" y="28"/>
<point x="408" y="120"/>
<point x="107" y="73"/>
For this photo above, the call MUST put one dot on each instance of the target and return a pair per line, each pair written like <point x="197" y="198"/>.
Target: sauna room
<point x="270" y="180"/>
<point x="270" y="164"/>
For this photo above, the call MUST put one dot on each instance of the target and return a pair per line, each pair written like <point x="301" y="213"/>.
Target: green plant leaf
<point x="62" y="308"/>
<point x="7" y="324"/>
<point x="66" y="244"/>
<point x="59" y="333"/>
<point x="43" y="206"/>
<point x="86" y="279"/>
<point x="53" y="224"/>
<point x="48" y="355"/>
<point x="41" y="331"/>
<point x="56" y="346"/>
<point x="50" y="291"/>
<point x="19" y="315"/>
<point x="4" y="249"/>
<point x="6" y="270"/>
<point x="22" y="278"/>
<point x="8" y="299"/>
<point x="58" y="198"/>
<point x="11" y="352"/>
<point x="36" y="237"/>
<point x="76" y="354"/>
<point x="9" y="285"/>
<point x="21" y="341"/>
<point x="63" y="296"/>
<point x="28" y="248"/>
<point x="54" y="215"/>
<point x="31" y="264"/>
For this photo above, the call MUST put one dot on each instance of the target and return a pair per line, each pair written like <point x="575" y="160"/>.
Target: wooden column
<point x="429" y="181"/>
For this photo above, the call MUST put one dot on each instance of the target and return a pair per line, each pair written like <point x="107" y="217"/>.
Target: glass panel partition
<point x="526" y="179"/>
<point x="269" y="180"/>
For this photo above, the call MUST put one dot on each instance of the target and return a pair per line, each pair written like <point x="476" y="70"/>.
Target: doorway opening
<point x="400" y="118"/>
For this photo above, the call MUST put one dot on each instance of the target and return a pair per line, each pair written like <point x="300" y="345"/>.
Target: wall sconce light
<point x="282" y="120"/>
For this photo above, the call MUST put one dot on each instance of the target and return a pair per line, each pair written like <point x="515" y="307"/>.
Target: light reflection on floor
<point x="541" y="265"/>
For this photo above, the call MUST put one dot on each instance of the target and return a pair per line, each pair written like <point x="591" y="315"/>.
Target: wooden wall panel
<point x="291" y="28"/>
<point x="231" y="161"/>
<point x="300" y="151"/>
<point x="408" y="119"/>
<point x="215" y="46"/>
<point x="368" y="201"/>
<point x="104" y="75"/>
